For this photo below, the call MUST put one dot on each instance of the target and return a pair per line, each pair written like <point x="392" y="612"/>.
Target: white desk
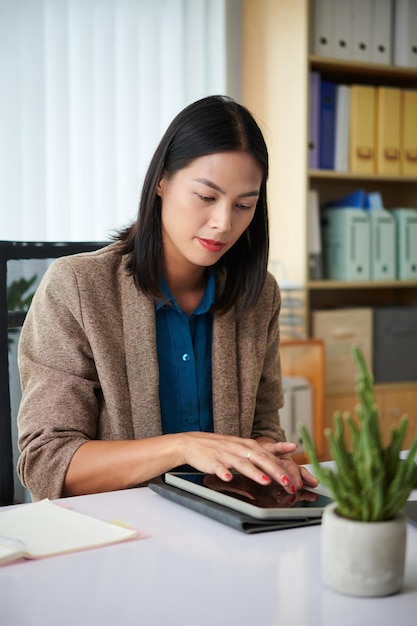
<point x="191" y="571"/>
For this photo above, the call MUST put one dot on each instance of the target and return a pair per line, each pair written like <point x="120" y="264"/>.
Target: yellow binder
<point x="408" y="161"/>
<point x="362" y="129"/>
<point x="388" y="115"/>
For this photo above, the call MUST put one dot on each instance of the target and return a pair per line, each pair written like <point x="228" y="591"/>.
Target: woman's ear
<point x="160" y="187"/>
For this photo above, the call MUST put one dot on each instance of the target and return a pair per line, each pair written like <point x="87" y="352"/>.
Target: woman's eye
<point x="244" y="207"/>
<point x="205" y="198"/>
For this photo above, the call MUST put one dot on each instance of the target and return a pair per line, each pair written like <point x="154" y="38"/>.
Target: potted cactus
<point x="364" y="530"/>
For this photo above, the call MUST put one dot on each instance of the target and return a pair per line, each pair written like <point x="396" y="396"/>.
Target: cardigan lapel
<point x="138" y="319"/>
<point x="226" y="409"/>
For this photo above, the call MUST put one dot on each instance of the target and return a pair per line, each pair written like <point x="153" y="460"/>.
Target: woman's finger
<point x="308" y="478"/>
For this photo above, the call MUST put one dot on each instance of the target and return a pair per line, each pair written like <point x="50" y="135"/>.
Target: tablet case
<point x="225" y="515"/>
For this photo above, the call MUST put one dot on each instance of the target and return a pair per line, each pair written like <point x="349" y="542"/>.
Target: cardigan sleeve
<point x="60" y="389"/>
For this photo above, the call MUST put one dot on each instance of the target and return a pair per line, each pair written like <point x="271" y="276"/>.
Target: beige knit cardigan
<point x="89" y="368"/>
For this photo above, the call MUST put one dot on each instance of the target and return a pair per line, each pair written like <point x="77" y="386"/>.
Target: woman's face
<point x="207" y="206"/>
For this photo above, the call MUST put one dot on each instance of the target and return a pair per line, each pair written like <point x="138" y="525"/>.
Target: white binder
<point x="341" y="153"/>
<point x="383" y="245"/>
<point x="406" y="243"/>
<point x="346" y="243"/>
<point x="322" y="35"/>
<point x="342" y="30"/>
<point x="405" y="33"/>
<point x="381" y="31"/>
<point x="361" y="25"/>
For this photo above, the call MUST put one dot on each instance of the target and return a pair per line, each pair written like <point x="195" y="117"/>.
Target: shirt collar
<point x="205" y="302"/>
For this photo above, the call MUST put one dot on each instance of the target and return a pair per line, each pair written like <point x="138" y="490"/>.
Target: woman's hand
<point x="282" y="450"/>
<point x="261" y="460"/>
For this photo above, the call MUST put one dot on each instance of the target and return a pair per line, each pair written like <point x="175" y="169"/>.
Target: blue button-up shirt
<point x="184" y="346"/>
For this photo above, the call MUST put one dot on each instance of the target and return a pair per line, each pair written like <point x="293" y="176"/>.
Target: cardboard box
<point x="340" y="329"/>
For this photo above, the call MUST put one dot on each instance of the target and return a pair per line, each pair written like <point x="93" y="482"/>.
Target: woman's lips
<point x="211" y="244"/>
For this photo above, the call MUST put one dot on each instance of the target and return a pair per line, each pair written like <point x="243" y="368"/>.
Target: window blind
<point x="88" y="88"/>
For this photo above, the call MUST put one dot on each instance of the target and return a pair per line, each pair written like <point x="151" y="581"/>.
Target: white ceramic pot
<point x="363" y="558"/>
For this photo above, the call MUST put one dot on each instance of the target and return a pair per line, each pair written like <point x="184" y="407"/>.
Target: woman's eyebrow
<point x="209" y="183"/>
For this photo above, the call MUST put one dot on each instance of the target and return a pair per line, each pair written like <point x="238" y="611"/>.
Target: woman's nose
<point x="221" y="217"/>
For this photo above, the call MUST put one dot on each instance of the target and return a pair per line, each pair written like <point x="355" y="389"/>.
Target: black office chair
<point x="9" y="320"/>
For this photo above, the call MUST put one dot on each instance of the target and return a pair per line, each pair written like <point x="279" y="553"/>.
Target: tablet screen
<point x="244" y="495"/>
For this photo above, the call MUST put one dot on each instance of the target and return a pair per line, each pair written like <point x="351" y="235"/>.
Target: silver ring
<point x="248" y="455"/>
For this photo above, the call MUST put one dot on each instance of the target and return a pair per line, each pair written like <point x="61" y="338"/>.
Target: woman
<point x="161" y="349"/>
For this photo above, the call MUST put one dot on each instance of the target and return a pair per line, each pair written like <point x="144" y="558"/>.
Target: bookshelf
<point x="275" y="86"/>
<point x="372" y="73"/>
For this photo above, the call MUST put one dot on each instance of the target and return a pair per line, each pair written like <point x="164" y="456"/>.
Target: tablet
<point x="246" y="496"/>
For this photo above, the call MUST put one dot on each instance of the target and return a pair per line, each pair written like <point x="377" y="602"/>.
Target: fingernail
<point x="265" y="478"/>
<point x="228" y="476"/>
<point x="293" y="489"/>
<point x="285" y="480"/>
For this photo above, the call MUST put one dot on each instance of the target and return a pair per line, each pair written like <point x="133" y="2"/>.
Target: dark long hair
<point x="208" y="126"/>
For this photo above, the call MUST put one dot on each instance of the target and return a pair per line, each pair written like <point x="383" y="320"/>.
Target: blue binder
<point x="357" y="199"/>
<point x="327" y="124"/>
<point x="314" y="122"/>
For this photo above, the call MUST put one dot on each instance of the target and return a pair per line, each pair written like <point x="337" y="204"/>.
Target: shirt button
<point x="191" y="419"/>
<point x="185" y="357"/>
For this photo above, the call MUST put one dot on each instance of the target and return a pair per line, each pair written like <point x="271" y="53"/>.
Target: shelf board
<point x="389" y="386"/>
<point x="370" y="71"/>
<point x="368" y="284"/>
<point x="333" y="175"/>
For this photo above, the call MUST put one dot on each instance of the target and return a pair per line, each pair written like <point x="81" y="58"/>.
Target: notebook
<point x="43" y="528"/>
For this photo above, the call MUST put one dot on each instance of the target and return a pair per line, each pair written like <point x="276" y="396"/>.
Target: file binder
<point x="342" y="29"/>
<point x="361" y="28"/>
<point x="388" y="118"/>
<point x="406" y="243"/>
<point x="314" y="131"/>
<point x="374" y="200"/>
<point x="405" y="33"/>
<point x="315" y="259"/>
<point x="322" y="35"/>
<point x="356" y="199"/>
<point x="381" y="32"/>
<point x="408" y="142"/>
<point x="383" y="242"/>
<point x="362" y="129"/>
<point x="327" y="124"/>
<point x="346" y="243"/>
<point x="341" y="157"/>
